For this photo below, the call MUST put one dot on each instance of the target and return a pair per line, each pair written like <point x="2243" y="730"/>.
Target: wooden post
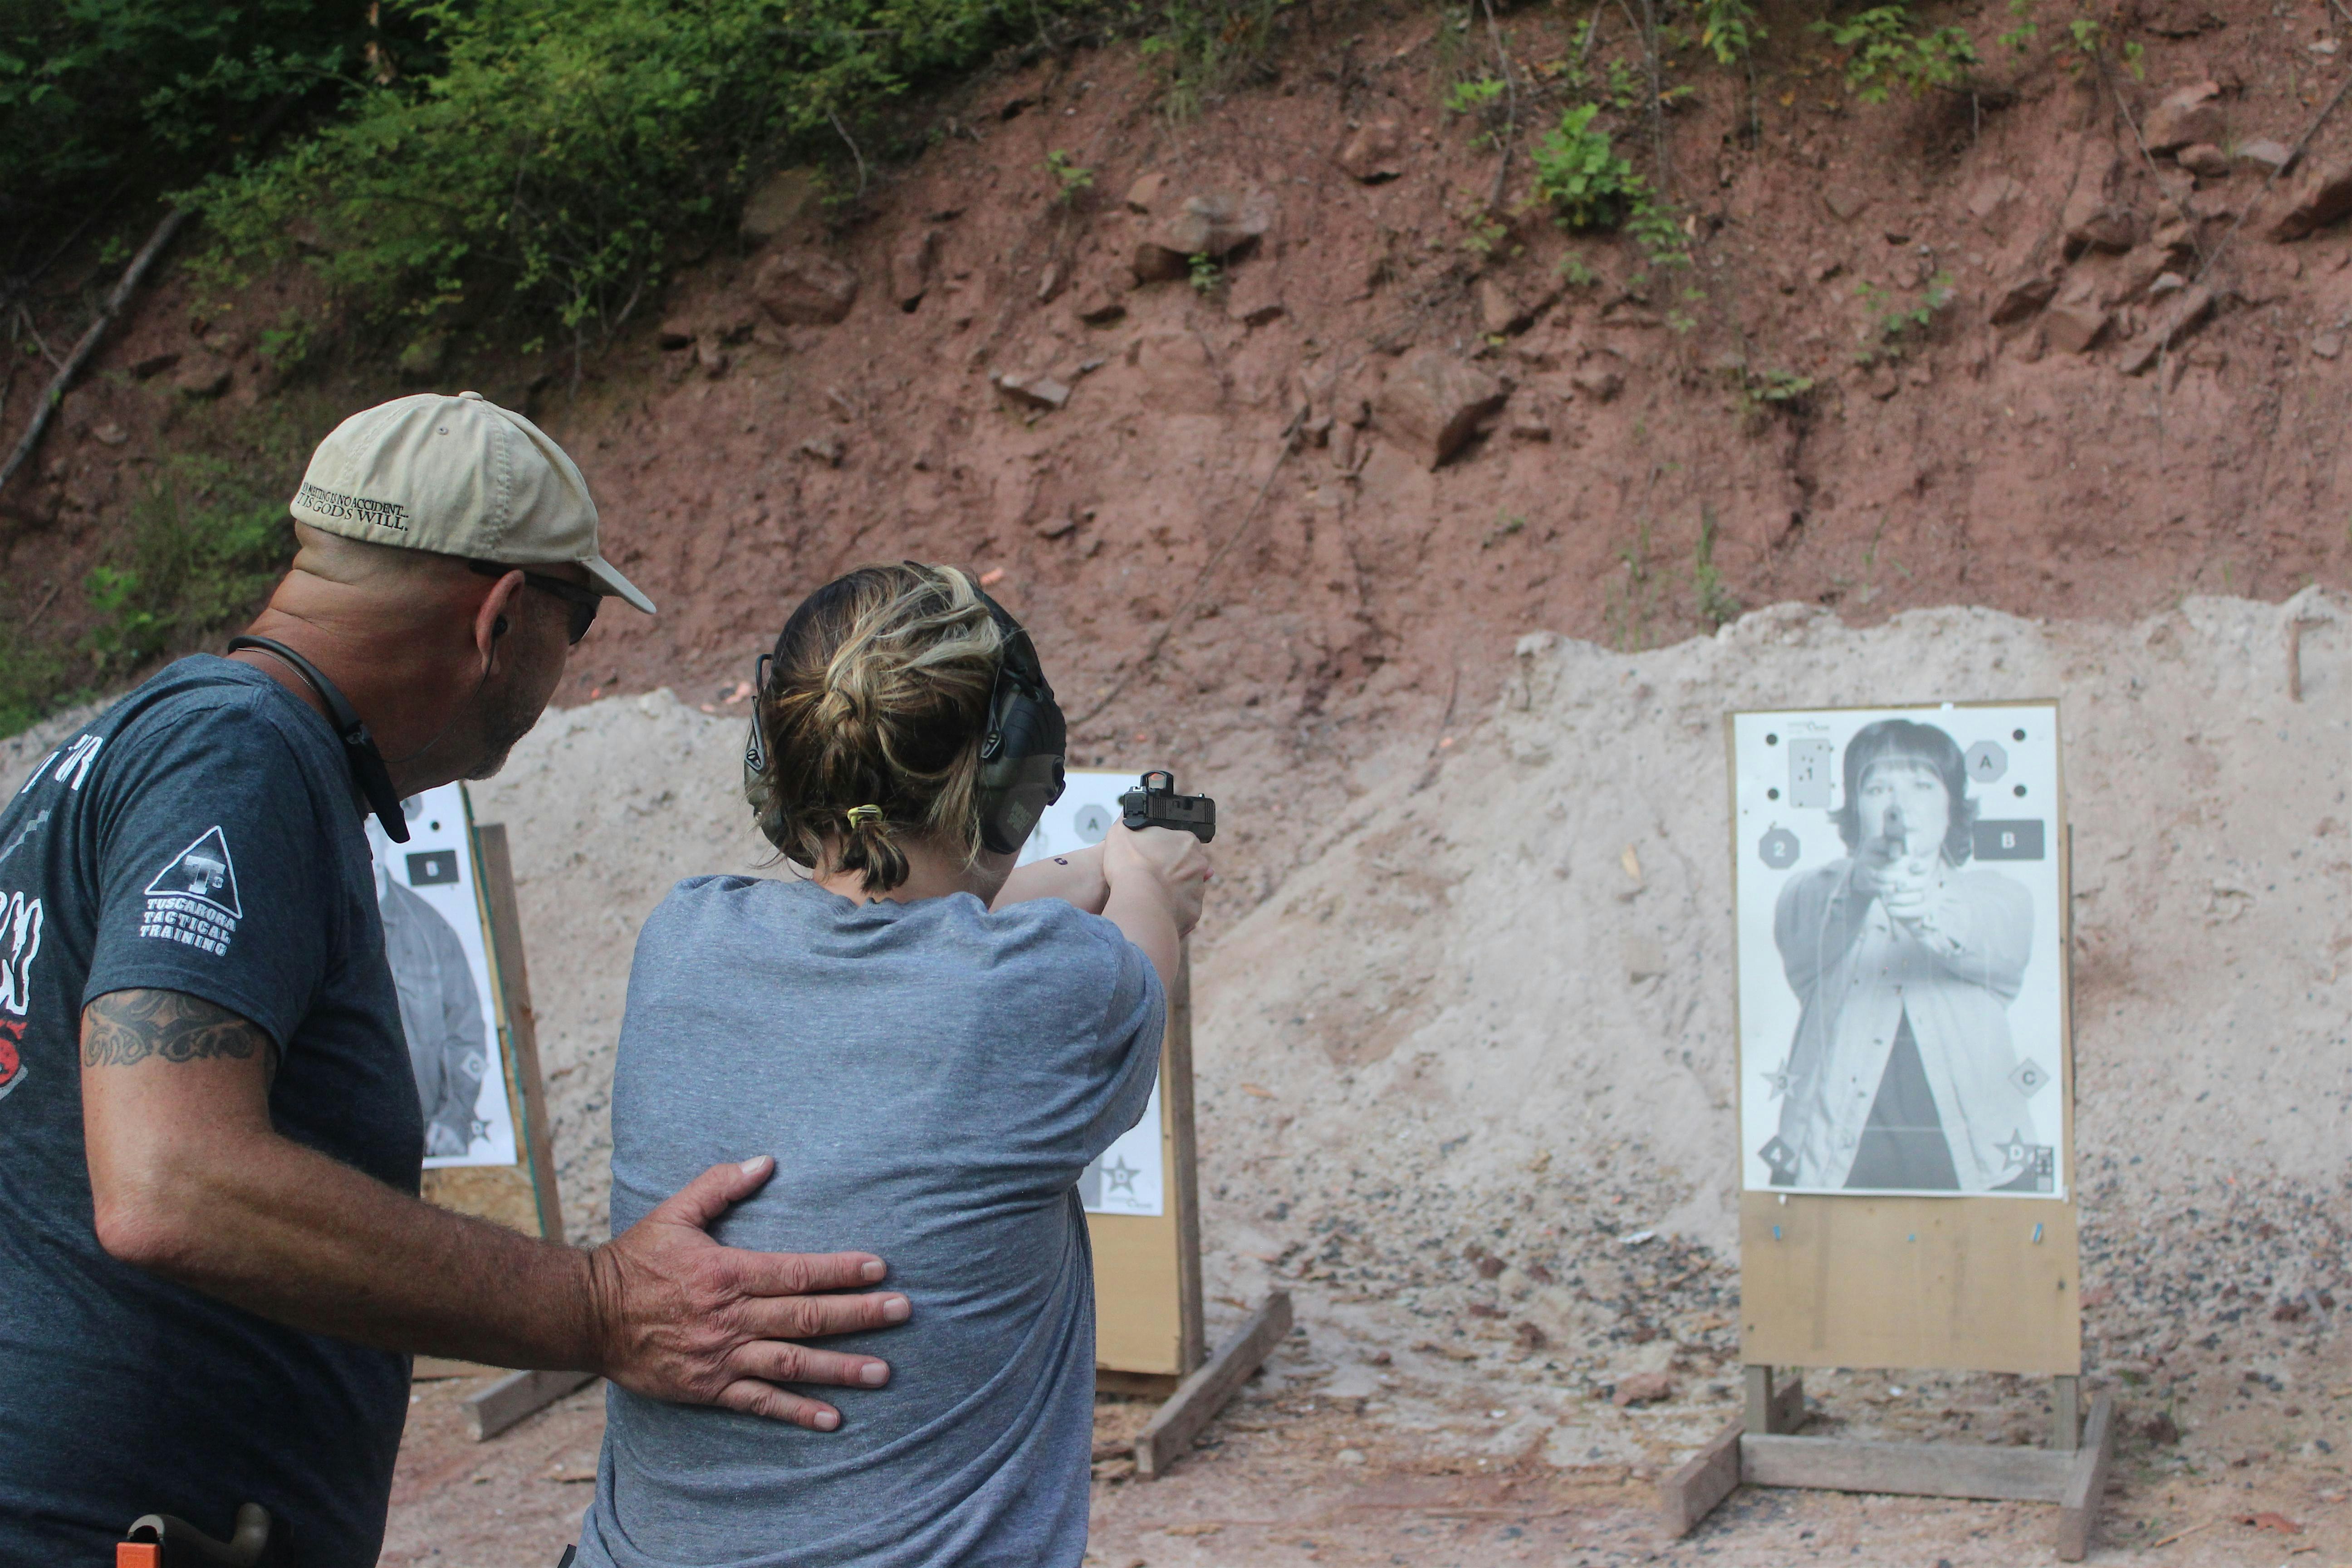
<point x="1177" y="1075"/>
<point x="522" y="1026"/>
<point x="2087" y="1487"/>
<point x="2066" y="1414"/>
<point x="1774" y="1408"/>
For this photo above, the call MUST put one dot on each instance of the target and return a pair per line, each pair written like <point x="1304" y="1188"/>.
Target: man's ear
<point x="494" y="617"/>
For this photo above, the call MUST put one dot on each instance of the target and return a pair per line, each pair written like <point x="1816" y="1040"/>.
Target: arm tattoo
<point x="124" y="1027"/>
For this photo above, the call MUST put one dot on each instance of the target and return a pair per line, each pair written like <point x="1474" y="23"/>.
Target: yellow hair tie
<point x="859" y="815"/>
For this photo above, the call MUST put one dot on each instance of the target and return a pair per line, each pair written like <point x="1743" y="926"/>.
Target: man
<point x="212" y="1256"/>
<point x="449" y="1048"/>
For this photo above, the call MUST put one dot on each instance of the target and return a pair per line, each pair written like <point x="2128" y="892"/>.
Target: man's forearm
<point x="190" y="1180"/>
<point x="288" y="1234"/>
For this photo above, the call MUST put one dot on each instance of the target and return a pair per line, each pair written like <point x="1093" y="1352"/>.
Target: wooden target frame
<point x="1944" y="1283"/>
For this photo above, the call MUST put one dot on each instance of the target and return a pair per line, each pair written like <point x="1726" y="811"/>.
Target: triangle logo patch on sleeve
<point x="193" y="899"/>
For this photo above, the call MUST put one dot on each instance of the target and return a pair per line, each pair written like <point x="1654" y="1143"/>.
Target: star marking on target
<point x="2017" y="1150"/>
<point x="1777" y="1080"/>
<point x="1119" y="1176"/>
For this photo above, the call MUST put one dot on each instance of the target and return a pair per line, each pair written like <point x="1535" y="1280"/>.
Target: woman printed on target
<point x="1900" y="1077"/>
<point x="933" y="1047"/>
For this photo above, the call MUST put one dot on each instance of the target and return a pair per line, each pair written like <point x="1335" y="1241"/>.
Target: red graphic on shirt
<point x="12" y="1062"/>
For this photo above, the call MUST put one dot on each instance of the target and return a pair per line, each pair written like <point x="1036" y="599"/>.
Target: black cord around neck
<point x="360" y="750"/>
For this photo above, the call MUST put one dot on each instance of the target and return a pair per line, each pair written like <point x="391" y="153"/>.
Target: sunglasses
<point x="580" y="604"/>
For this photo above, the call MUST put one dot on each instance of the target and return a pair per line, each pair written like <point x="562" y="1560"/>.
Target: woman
<point x="933" y="1048"/>
<point x="1899" y="1078"/>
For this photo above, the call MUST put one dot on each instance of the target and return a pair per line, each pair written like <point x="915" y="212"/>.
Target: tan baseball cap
<point x="458" y="475"/>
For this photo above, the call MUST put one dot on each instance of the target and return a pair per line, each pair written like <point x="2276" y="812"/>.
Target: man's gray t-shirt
<point x="931" y="1079"/>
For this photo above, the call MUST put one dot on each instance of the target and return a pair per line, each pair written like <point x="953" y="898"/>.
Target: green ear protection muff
<point x="1020" y="752"/>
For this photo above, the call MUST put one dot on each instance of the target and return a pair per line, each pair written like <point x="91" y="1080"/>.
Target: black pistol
<point x="1157" y="804"/>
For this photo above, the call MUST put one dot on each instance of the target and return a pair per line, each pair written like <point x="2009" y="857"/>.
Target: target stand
<point x="1976" y="1283"/>
<point x="1876" y="1282"/>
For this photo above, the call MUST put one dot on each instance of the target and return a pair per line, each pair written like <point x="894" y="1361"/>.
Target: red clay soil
<point x="1286" y="581"/>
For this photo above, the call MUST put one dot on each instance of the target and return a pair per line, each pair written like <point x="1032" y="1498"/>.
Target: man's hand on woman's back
<point x="681" y="1318"/>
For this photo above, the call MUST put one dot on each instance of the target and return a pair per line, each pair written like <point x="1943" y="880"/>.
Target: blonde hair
<point x="878" y="697"/>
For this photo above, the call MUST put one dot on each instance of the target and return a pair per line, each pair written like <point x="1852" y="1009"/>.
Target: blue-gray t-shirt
<point x="199" y="836"/>
<point x="931" y="1079"/>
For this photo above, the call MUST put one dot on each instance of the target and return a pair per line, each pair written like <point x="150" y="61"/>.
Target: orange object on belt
<point x="138" y="1554"/>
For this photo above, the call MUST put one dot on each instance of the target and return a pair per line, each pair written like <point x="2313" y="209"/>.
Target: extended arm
<point x="1980" y="930"/>
<point x="190" y="1181"/>
<point x="1157" y="877"/>
<point x="1076" y="877"/>
<point x="1817" y="920"/>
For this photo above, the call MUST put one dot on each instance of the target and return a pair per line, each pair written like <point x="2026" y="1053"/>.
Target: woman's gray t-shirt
<point x="931" y="1079"/>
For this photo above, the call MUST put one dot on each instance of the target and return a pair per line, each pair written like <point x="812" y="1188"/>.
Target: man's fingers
<point x="774" y="1361"/>
<point x="777" y="1317"/>
<point x="756" y="1398"/>
<point x="713" y="1193"/>
<point x="798" y="1273"/>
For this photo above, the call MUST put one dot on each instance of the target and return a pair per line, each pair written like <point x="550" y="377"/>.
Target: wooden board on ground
<point x="1149" y="1331"/>
<point x="1196" y="1403"/>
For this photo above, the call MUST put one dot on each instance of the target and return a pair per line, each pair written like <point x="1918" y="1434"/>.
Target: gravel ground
<point x="1492" y="1164"/>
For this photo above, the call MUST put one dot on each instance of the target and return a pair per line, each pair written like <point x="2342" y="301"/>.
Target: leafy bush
<point x="1727" y="28"/>
<point x="99" y="94"/>
<point x="203" y="543"/>
<point x="1883" y="52"/>
<point x="564" y="145"/>
<point x="1578" y="172"/>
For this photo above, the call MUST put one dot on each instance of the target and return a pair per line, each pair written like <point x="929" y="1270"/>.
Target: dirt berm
<point x="1488" y="1011"/>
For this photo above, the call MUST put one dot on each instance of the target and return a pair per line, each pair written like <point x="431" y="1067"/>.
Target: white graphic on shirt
<point x="20" y="934"/>
<point x="39" y="820"/>
<point x="74" y="758"/>
<point x="194" y="901"/>
<point x="78" y="757"/>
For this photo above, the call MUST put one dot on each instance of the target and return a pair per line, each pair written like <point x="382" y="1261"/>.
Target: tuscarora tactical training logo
<point x="195" y="900"/>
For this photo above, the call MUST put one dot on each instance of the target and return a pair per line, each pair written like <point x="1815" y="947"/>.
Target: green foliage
<point x="1072" y="178"/>
<point x="1482" y="99"/>
<point x="1727" y="28"/>
<point x="1894" y="322"/>
<point x="1577" y="173"/>
<point x="546" y="168"/>
<point x="1508" y="525"/>
<point x="97" y="94"/>
<point x="1575" y="273"/>
<point x="1206" y="276"/>
<point x="1883" y="52"/>
<point x="33" y="678"/>
<point x="1483" y="233"/>
<point x="1627" y="85"/>
<point x="1715" y="603"/>
<point x="1775" y="388"/>
<point x="1201" y="47"/>
<point x="201" y="546"/>
<point x="1473" y="97"/>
